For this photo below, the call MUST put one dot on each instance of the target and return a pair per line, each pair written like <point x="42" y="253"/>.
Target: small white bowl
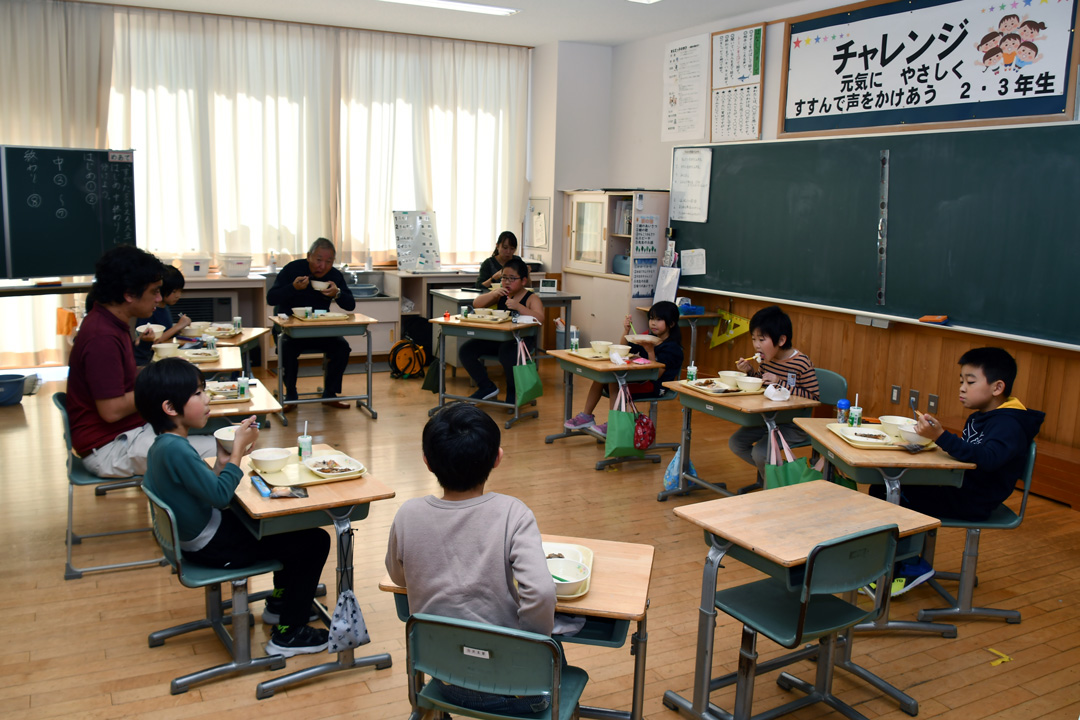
<point x="730" y="377"/>
<point x="196" y="328"/>
<point x="269" y="460"/>
<point x="622" y="350"/>
<point x="573" y="574"/>
<point x="501" y="314"/>
<point x="908" y="434"/>
<point x="166" y="349"/>
<point x="643" y="339"/>
<point x="482" y="311"/>
<point x="749" y="383"/>
<point x="301" y="311"/>
<point x="600" y="346"/>
<point x="158" y="329"/>
<point x="225" y="436"/>
<point x="319" y="285"/>
<point x="891" y="424"/>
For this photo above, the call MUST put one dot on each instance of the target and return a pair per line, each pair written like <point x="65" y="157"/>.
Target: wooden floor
<point x="78" y="648"/>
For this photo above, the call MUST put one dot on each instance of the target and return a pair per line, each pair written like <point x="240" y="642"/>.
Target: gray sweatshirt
<point x="460" y="559"/>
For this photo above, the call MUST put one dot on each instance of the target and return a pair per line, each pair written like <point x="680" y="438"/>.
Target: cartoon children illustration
<point x="1026" y="54"/>
<point x="1029" y="30"/>
<point x="991" y="60"/>
<point x="1009" y="23"/>
<point x="1009" y="45"/>
<point x="990" y="40"/>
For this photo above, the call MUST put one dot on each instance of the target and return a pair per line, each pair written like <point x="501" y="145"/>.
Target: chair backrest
<point x="165" y="529"/>
<point x="1029" y="471"/>
<point x="831" y="386"/>
<point x="60" y="401"/>
<point x="481" y="657"/>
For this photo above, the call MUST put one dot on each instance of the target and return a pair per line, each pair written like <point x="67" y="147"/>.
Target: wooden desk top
<point x="619" y="582"/>
<point x="603" y="365"/>
<point x="936" y="459"/>
<point x="262" y="402"/>
<point x="230" y="359"/>
<point x="456" y="321"/>
<point x="744" y="403"/>
<point x="246" y="335"/>
<point x="295" y="322"/>
<point x="785" y="524"/>
<point x="344" y="493"/>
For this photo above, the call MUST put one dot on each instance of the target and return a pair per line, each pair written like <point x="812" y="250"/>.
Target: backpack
<point x="407" y="359"/>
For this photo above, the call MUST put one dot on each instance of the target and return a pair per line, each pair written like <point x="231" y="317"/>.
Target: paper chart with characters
<point x="947" y="60"/>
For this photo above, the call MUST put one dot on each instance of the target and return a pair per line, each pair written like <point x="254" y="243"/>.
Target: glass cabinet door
<point x="586" y="244"/>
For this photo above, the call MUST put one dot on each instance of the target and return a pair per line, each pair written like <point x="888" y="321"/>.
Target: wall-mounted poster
<point x="686" y="63"/>
<point x="925" y="61"/>
<point x="738" y="59"/>
<point x="417" y="242"/>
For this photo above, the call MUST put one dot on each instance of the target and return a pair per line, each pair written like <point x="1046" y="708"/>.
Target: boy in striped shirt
<point x="770" y="331"/>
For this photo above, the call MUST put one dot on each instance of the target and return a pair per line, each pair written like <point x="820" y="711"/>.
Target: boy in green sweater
<point x="170" y="394"/>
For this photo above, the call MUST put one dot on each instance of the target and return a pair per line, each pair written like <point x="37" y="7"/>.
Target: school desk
<point x="618" y="594"/>
<point x="774" y="531"/>
<point x="604" y="372"/>
<point x="451" y="299"/>
<point x="888" y="466"/>
<point x="229" y="361"/>
<point x="246" y="341"/>
<point x="262" y="403"/>
<point x="470" y="329"/>
<point x="294" y="327"/>
<point x="692" y="321"/>
<point x="743" y="410"/>
<point x="337" y="503"/>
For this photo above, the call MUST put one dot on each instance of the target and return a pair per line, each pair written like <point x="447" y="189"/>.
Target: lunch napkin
<point x="778" y="393"/>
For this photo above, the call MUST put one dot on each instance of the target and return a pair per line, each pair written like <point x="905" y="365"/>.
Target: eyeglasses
<point x="511" y="278"/>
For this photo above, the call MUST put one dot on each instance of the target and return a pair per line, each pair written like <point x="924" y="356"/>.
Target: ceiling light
<point x="462" y="6"/>
<point x="645" y="2"/>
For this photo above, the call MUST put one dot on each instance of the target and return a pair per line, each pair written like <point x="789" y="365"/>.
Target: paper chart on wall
<point x="685" y="89"/>
<point x="417" y="242"/>
<point x="643" y="277"/>
<point x="690" y="177"/>
<point x="737" y="66"/>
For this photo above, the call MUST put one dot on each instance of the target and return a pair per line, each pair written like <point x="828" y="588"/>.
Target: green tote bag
<point x="527" y="385"/>
<point x="621" y="424"/>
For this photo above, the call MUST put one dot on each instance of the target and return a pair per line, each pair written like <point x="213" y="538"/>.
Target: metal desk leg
<point x="638" y="642"/>
<point x="345" y="659"/>
<point x="365" y="403"/>
<point x="568" y="407"/>
<point x="693" y="338"/>
<point x="442" y="373"/>
<point x="700" y="707"/>
<point x="280" y="378"/>
<point x="770" y="425"/>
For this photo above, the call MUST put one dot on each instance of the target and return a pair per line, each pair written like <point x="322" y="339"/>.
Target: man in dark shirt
<point x="106" y="431"/>
<point x="293" y="288"/>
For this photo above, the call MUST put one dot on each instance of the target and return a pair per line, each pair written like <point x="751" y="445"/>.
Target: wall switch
<point x="913" y="397"/>
<point x="895" y="396"/>
<point x="931" y="404"/>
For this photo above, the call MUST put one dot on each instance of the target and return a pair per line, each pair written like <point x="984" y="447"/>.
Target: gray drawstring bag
<point x="347" y="627"/>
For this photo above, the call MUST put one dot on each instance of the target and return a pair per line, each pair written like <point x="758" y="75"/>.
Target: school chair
<point x="79" y="476"/>
<point x="487" y="658"/>
<point x="193" y="575"/>
<point x="1001" y="519"/>
<point x="810" y="612"/>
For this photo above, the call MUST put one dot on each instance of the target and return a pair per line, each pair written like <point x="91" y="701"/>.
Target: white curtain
<point x="56" y="60"/>
<point x="232" y="124"/>
<point x="429" y="124"/>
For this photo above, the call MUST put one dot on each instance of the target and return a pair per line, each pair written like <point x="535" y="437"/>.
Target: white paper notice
<point x="690" y="176"/>
<point x="539" y="231"/>
<point x="667" y="285"/>
<point x="643" y="277"/>
<point x="737" y="60"/>
<point x="686" y="89"/>
<point x="417" y="241"/>
<point x="693" y="262"/>
<point x="647" y="236"/>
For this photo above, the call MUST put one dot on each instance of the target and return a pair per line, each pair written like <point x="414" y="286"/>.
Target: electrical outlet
<point x="895" y="397"/>
<point x="931" y="404"/>
<point x="913" y="397"/>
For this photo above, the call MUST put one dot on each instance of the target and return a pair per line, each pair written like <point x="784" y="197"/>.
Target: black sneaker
<point x="272" y="612"/>
<point x="289" y="640"/>
<point x="485" y="393"/>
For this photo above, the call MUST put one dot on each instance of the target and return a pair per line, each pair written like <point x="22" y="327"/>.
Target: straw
<point x="856" y="403"/>
<point x="306" y="422"/>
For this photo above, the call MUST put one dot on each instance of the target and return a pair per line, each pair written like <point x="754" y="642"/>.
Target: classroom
<point x="562" y="108"/>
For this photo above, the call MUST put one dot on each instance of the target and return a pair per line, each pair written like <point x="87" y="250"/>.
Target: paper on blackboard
<point x="693" y="262"/>
<point x="667" y="285"/>
<point x="690" y="171"/>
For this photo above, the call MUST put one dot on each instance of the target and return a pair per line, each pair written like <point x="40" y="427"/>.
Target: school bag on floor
<point x="407" y="359"/>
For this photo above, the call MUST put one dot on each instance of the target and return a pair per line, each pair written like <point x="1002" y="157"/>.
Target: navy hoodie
<point x="997" y="441"/>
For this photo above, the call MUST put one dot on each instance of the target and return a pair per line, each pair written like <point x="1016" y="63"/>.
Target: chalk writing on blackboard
<point x="690" y="174"/>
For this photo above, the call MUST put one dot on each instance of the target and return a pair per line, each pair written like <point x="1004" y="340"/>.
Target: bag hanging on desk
<point x="527" y="385"/>
<point x="432" y="377"/>
<point x="622" y="426"/>
<point x="786" y="470"/>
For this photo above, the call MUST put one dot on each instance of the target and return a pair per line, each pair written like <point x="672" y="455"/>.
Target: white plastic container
<point x="194" y="265"/>
<point x="234" y="264"/>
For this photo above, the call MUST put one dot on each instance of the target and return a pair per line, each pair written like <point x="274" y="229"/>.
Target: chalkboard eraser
<point x="935" y="319"/>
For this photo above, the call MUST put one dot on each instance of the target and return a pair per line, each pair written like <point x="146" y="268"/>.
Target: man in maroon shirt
<point x="106" y="431"/>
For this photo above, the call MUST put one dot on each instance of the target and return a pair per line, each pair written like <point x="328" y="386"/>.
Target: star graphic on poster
<point x="1014" y="5"/>
<point x="797" y="42"/>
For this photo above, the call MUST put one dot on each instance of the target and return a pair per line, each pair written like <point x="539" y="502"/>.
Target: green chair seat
<point x="774" y="612"/>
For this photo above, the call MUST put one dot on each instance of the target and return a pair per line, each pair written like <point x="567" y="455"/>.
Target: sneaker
<point x="580" y="422"/>
<point x="600" y="430"/>
<point x="272" y="612"/>
<point x="289" y="640"/>
<point x="485" y="393"/>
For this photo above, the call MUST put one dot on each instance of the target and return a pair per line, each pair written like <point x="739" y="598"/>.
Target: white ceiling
<point x="601" y="22"/>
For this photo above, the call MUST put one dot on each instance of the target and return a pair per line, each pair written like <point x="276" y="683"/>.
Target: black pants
<point x="302" y="552"/>
<point x="335" y="349"/>
<point x="938" y="501"/>
<point x="469" y="355"/>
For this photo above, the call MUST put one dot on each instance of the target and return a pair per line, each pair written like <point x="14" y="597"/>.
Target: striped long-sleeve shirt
<point x="806" y="384"/>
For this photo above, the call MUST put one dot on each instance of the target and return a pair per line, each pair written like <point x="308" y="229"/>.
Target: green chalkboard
<point x="983" y="226"/>
<point x="62" y="208"/>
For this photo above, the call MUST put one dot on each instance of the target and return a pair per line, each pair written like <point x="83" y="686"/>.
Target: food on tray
<point x="330" y="466"/>
<point x="223" y="389"/>
<point x="555" y="555"/>
<point x="706" y="383"/>
<point x="872" y="436"/>
<point x="202" y="353"/>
